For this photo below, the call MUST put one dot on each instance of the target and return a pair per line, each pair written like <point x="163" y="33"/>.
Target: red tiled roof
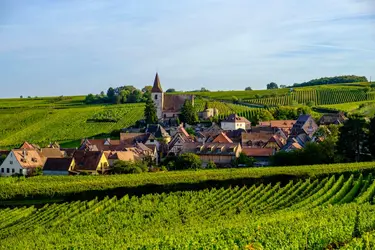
<point x="87" y="160"/>
<point x="257" y="152"/>
<point x="222" y="138"/>
<point x="28" y="158"/>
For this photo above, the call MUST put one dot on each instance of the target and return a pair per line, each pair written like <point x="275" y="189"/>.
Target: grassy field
<point x="325" y="207"/>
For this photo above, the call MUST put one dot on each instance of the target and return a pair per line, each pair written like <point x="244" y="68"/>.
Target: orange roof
<point x="122" y="155"/>
<point x="222" y="138"/>
<point x="279" y="123"/>
<point x="256" y="136"/>
<point x="28" y="158"/>
<point x="257" y="152"/>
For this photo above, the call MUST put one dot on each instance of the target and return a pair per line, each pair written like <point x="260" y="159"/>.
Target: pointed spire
<point x="157" y="87"/>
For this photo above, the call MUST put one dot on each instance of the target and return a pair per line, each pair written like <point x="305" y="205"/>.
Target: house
<point x="181" y="136"/>
<point x="92" y="162"/>
<point x="333" y="118"/>
<point x="284" y="125"/>
<point x="260" y="155"/>
<point x="132" y="138"/>
<point x="208" y="113"/>
<point x="222" y="154"/>
<point x="255" y="140"/>
<point x="304" y="124"/>
<point x="27" y="145"/>
<point x="52" y="153"/>
<point x="58" y="166"/>
<point x="222" y="138"/>
<point x="167" y="106"/>
<point x="276" y="142"/>
<point x="21" y="161"/>
<point x="99" y="144"/>
<point x="296" y="142"/>
<point x="234" y="122"/>
<point x="208" y="134"/>
<point x="158" y="132"/>
<point x="121" y="156"/>
<point x="235" y="135"/>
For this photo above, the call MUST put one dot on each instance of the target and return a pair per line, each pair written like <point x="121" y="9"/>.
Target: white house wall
<point x="11" y="163"/>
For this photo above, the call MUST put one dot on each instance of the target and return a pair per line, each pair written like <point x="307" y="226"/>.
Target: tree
<point x="21" y="96"/>
<point x="111" y="94"/>
<point x="353" y="140"/>
<point x="147" y="88"/>
<point x="248" y="88"/>
<point x="188" y="161"/>
<point x="150" y="112"/>
<point x="188" y="114"/>
<point x="134" y="96"/>
<point x="371" y="137"/>
<point x="170" y="90"/>
<point x="272" y="85"/>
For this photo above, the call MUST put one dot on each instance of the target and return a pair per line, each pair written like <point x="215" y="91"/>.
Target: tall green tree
<point x="150" y="112"/>
<point x="188" y="114"/>
<point x="353" y="140"/>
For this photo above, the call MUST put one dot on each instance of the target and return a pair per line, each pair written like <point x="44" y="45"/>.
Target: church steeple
<point x="157" y="87"/>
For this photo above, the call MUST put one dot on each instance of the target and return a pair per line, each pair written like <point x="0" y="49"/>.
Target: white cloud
<point x="218" y="44"/>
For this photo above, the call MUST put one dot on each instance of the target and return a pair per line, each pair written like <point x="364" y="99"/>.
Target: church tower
<point x="157" y="96"/>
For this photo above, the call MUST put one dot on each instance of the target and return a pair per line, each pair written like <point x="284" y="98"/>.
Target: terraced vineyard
<point x="321" y="96"/>
<point x="303" y="214"/>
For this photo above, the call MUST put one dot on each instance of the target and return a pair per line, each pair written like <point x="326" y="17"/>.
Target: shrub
<point x="188" y="161"/>
<point x="211" y="165"/>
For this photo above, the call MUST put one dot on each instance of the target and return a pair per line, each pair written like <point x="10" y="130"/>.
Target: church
<point x="168" y="106"/>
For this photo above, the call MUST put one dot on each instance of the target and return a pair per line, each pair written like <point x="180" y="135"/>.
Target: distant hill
<point x="332" y="80"/>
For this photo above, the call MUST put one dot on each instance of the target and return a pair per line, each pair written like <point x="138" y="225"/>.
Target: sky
<point x="76" y="47"/>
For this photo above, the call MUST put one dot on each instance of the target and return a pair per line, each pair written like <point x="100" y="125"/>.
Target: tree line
<point x="119" y="95"/>
<point x="333" y="80"/>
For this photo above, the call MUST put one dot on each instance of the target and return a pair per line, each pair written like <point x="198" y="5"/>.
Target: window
<point x="13" y="170"/>
<point x="151" y="140"/>
<point x="21" y="171"/>
<point x="11" y="162"/>
<point x="7" y="170"/>
<point x="2" y="170"/>
<point x="156" y="97"/>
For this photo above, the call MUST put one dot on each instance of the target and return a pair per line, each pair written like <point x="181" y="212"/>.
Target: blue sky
<point x="75" y="47"/>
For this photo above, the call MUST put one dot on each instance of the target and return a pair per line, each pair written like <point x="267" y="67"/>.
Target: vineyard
<point x="321" y="96"/>
<point x="334" y="211"/>
<point x="43" y="125"/>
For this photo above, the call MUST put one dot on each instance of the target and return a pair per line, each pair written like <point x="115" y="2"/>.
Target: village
<point x="217" y="145"/>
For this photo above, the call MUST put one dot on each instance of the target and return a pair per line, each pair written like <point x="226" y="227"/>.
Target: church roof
<point x="157" y="87"/>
